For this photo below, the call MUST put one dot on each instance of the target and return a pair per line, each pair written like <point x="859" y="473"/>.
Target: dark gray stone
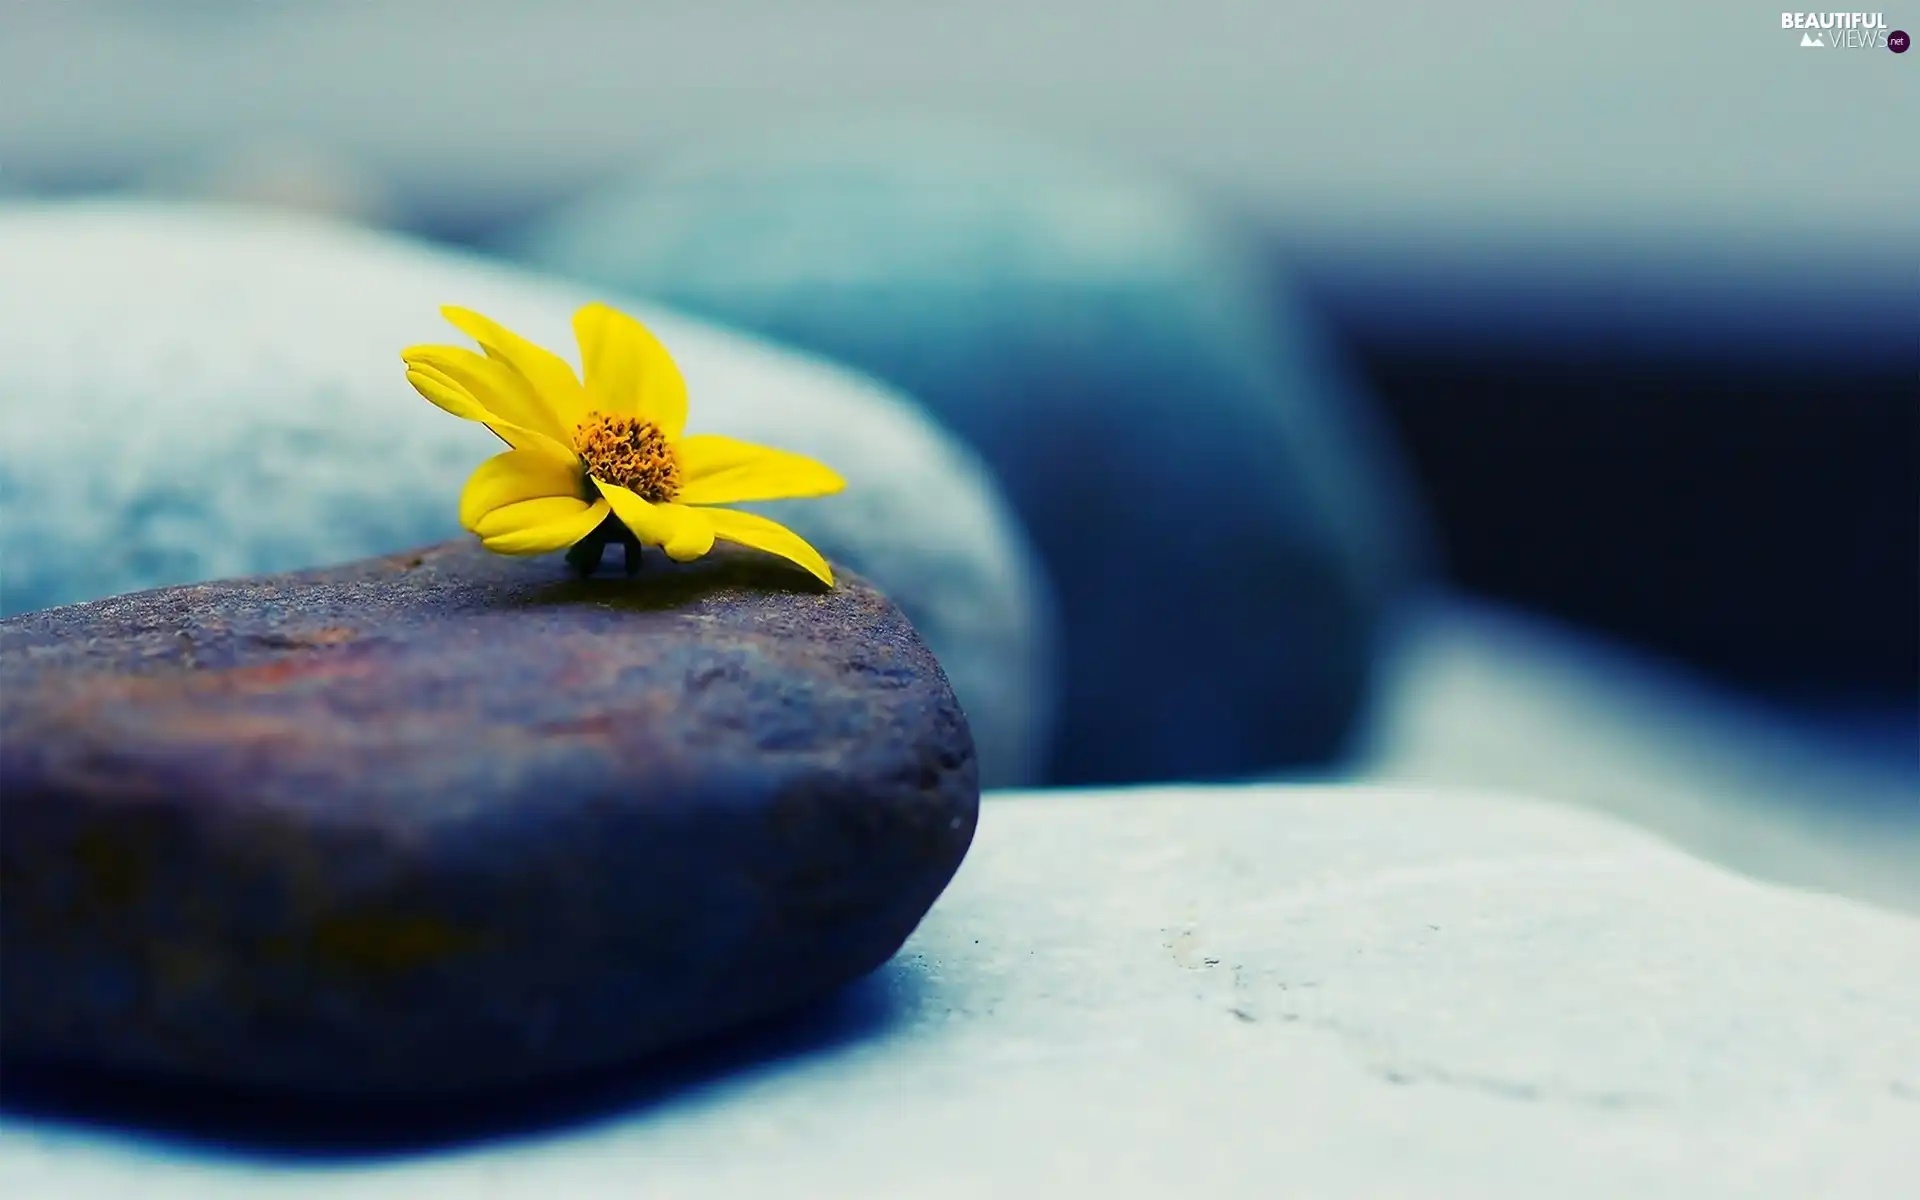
<point x="444" y="821"/>
<point x="1224" y="526"/>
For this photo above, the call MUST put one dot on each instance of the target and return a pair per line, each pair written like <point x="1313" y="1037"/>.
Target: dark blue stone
<point x="1224" y="526"/>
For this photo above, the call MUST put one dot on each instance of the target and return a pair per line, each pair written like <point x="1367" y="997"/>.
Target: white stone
<point x="1480" y="697"/>
<point x="1259" y="992"/>
<point x="191" y="393"/>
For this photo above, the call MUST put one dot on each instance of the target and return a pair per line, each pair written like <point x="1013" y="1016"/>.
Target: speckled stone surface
<point x="441" y="821"/>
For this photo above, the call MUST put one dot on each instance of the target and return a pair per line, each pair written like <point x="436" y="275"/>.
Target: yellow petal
<point x="684" y="533"/>
<point x="721" y="470"/>
<point x="552" y="379"/>
<point x="444" y="392"/>
<point x="629" y="373"/>
<point x="513" y="477"/>
<point x="540" y="526"/>
<point x="500" y="389"/>
<point x="692" y="533"/>
<point x="750" y="529"/>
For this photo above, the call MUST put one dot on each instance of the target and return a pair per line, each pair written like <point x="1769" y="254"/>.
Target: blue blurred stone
<point x="1224" y="528"/>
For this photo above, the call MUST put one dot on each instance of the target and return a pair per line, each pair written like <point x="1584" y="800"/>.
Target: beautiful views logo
<point x="1842" y="30"/>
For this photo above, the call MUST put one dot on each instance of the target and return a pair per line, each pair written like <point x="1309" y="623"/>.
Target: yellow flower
<point x="609" y="459"/>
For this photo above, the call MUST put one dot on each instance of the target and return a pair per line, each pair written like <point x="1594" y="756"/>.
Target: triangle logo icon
<point x="1813" y="39"/>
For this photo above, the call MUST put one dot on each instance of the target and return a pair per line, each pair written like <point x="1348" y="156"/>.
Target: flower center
<point x="629" y="452"/>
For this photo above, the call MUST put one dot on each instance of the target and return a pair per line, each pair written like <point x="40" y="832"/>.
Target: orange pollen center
<point x="629" y="452"/>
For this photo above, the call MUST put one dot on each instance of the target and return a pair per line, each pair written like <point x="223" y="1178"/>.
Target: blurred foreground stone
<point x="191" y="393"/>
<point x="1260" y="992"/>
<point x="445" y="821"/>
<point x="1178" y="437"/>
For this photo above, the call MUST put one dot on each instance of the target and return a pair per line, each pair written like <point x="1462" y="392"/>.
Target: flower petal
<point x="750" y="529"/>
<point x="629" y="373"/>
<point x="684" y="533"/>
<point x="540" y="526"/>
<point x="499" y="388"/>
<point x="552" y="379"/>
<point x="692" y="535"/>
<point x="721" y="470"/>
<point x="513" y="477"/>
<point x="449" y="395"/>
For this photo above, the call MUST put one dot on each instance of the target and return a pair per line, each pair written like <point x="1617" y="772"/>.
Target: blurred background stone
<point x="1224" y="525"/>
<point x="283" y="173"/>
<point x="194" y="393"/>
<point x="1477" y="695"/>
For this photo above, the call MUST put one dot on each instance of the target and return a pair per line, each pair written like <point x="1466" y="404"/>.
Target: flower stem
<point x="586" y="553"/>
<point x="584" y="558"/>
<point x="631" y="546"/>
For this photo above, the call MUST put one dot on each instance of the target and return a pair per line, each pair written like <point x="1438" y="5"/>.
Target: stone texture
<point x="1172" y="428"/>
<point x="1331" y="991"/>
<point x="444" y="821"/>
<point x="191" y="394"/>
